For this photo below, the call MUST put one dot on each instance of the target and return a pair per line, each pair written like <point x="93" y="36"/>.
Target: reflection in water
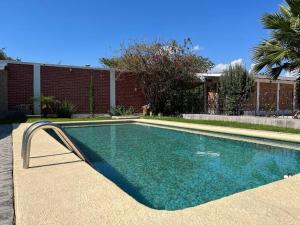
<point x="209" y="153"/>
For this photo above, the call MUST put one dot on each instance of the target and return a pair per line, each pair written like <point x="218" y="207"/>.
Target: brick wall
<point x="20" y="85"/>
<point x="286" y="96"/>
<point x="102" y="88"/>
<point x="128" y="92"/>
<point x="72" y="84"/>
<point x="251" y="103"/>
<point x="268" y="96"/>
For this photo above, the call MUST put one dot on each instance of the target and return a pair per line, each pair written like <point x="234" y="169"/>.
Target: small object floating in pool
<point x="287" y="175"/>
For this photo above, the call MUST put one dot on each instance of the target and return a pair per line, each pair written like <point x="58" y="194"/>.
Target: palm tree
<point x="282" y="50"/>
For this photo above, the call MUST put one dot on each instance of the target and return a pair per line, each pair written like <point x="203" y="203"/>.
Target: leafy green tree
<point x="165" y="70"/>
<point x="282" y="50"/>
<point x="3" y="55"/>
<point x="234" y="89"/>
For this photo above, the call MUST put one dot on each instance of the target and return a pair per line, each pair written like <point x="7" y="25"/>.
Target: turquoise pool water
<point x="167" y="169"/>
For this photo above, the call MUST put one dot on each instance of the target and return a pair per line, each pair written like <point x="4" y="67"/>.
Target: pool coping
<point x="64" y="185"/>
<point x="280" y="136"/>
<point x="272" y="135"/>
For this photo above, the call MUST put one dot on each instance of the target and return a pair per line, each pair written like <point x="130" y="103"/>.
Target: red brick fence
<point x="20" y="81"/>
<point x="71" y="83"/>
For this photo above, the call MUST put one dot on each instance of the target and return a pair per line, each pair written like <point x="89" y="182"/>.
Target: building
<point x="268" y="96"/>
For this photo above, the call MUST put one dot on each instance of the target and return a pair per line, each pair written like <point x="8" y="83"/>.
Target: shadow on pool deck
<point x="54" y="164"/>
<point x="42" y="156"/>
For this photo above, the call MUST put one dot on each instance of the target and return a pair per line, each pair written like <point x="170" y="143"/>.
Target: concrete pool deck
<point x="59" y="189"/>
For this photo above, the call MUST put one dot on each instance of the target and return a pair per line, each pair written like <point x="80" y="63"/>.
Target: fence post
<point x="205" y="96"/>
<point x="278" y="97"/>
<point x="257" y="97"/>
<point x="112" y="88"/>
<point x="37" y="89"/>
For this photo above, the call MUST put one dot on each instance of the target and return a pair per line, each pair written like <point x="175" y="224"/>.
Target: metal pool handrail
<point x="42" y="125"/>
<point x="27" y="131"/>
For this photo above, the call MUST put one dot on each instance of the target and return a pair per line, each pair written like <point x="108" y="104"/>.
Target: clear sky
<point x="80" y="32"/>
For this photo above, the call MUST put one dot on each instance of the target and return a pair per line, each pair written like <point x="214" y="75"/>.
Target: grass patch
<point x="167" y="118"/>
<point x="31" y="120"/>
<point x="228" y="124"/>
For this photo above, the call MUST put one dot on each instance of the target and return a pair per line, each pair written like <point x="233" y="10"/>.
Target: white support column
<point x="294" y="97"/>
<point x="112" y="92"/>
<point x="278" y="97"/>
<point x="36" y="89"/>
<point x="205" y="96"/>
<point x="257" y="96"/>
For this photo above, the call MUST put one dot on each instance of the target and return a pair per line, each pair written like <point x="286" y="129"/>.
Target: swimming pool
<point x="172" y="169"/>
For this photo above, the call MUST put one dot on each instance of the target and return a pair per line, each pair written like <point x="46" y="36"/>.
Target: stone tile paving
<point x="6" y="183"/>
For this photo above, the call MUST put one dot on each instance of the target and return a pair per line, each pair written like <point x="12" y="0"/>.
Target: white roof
<point x="209" y="74"/>
<point x="5" y="62"/>
<point x="291" y="78"/>
<point x="205" y="75"/>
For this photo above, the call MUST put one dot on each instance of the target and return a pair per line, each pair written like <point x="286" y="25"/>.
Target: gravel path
<point x="6" y="183"/>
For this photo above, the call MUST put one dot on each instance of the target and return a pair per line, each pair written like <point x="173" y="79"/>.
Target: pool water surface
<point x="169" y="169"/>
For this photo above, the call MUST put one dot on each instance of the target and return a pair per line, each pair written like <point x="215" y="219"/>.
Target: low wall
<point x="280" y="122"/>
<point x="70" y="83"/>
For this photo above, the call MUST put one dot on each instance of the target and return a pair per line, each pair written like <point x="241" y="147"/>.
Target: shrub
<point x="235" y="88"/>
<point x="48" y="104"/>
<point x="65" y="109"/>
<point x="121" y="110"/>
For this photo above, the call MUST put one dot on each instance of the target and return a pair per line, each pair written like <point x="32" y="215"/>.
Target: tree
<point x="235" y="88"/>
<point x="165" y="70"/>
<point x="4" y="56"/>
<point x="282" y="50"/>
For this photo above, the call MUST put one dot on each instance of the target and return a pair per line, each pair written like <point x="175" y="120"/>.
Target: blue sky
<point x="79" y="32"/>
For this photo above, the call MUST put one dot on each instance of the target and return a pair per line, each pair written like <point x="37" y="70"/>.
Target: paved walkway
<point x="6" y="184"/>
